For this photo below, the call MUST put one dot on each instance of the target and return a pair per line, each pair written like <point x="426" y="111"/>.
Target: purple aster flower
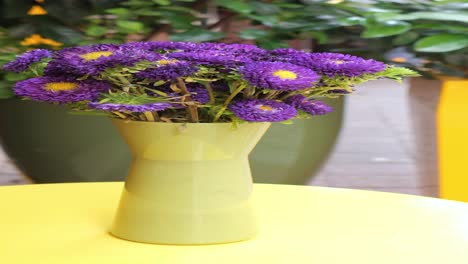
<point x="60" y="90"/>
<point x="130" y="108"/>
<point x="211" y="58"/>
<point x="198" y="93"/>
<point x="168" y="69"/>
<point x="258" y="110"/>
<point x="23" y="61"/>
<point x="94" y="59"/>
<point x="163" y="45"/>
<point x="312" y="107"/>
<point x="331" y="64"/>
<point x="279" y="76"/>
<point x="287" y="52"/>
<point x="243" y="50"/>
<point x="283" y="55"/>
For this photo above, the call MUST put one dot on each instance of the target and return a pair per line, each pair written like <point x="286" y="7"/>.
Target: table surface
<point x="68" y="223"/>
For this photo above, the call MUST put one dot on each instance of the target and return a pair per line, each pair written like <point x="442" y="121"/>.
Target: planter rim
<point x="446" y="78"/>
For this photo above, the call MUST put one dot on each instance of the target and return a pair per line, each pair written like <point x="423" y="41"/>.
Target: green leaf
<point x="96" y="31"/>
<point x="162" y="2"/>
<point x="6" y="90"/>
<point x="350" y="21"/>
<point x="265" y="8"/>
<point x="448" y="28"/>
<point x="252" y="33"/>
<point x="197" y="35"/>
<point x="130" y="26"/>
<point x="5" y="94"/>
<point x="13" y="77"/>
<point x="118" y="11"/>
<point x="236" y="5"/>
<point x="386" y="28"/>
<point x="442" y="43"/>
<point x="320" y="36"/>
<point x="272" y="44"/>
<point x="444" y="16"/>
<point x="405" y="38"/>
<point x="269" y="21"/>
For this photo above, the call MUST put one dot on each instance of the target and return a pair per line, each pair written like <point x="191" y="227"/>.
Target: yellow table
<point x="67" y="224"/>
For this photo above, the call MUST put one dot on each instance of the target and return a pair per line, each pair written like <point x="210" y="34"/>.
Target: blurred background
<point x="383" y="137"/>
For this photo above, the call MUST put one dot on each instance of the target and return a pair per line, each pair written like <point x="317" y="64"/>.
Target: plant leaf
<point x="386" y="28"/>
<point x="236" y="5"/>
<point x="197" y="35"/>
<point x="252" y="33"/>
<point x="441" y="43"/>
<point x="96" y="31"/>
<point x="130" y="26"/>
<point x="444" y="16"/>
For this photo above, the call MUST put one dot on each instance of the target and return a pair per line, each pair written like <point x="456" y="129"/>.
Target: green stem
<point x="228" y="101"/>
<point x="119" y="115"/>
<point x="210" y="92"/>
<point x="192" y="109"/>
<point x="123" y="80"/>
<point x="151" y="116"/>
<point x="271" y="95"/>
<point x="286" y="96"/>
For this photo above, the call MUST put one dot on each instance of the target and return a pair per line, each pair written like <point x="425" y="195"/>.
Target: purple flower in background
<point x="244" y="50"/>
<point x="211" y="58"/>
<point x="287" y="52"/>
<point x="94" y="59"/>
<point x="60" y="90"/>
<point x="331" y="64"/>
<point x="258" y="110"/>
<point x="163" y="45"/>
<point x="312" y="107"/>
<point x="130" y="108"/>
<point x="168" y="69"/>
<point x="23" y="61"/>
<point x="279" y="76"/>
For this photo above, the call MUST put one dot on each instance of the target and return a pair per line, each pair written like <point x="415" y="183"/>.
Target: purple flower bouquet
<point x="194" y="82"/>
<point x="190" y="183"/>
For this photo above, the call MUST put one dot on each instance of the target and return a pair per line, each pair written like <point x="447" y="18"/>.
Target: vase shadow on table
<point x="49" y="145"/>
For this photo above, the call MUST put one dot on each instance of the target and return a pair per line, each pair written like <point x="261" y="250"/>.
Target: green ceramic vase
<point x="188" y="184"/>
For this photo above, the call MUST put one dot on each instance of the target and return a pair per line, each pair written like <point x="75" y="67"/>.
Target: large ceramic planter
<point x="438" y="109"/>
<point x="50" y="145"/>
<point x="423" y="100"/>
<point x="188" y="183"/>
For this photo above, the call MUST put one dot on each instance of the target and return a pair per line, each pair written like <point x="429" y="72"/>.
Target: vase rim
<point x="185" y="124"/>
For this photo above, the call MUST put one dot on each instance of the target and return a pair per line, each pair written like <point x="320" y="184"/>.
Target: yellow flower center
<point x="60" y="86"/>
<point x="285" y="75"/>
<point x="165" y="62"/>
<point x="266" y="108"/>
<point x="399" y="59"/>
<point x="95" y="55"/>
<point x="338" y="62"/>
